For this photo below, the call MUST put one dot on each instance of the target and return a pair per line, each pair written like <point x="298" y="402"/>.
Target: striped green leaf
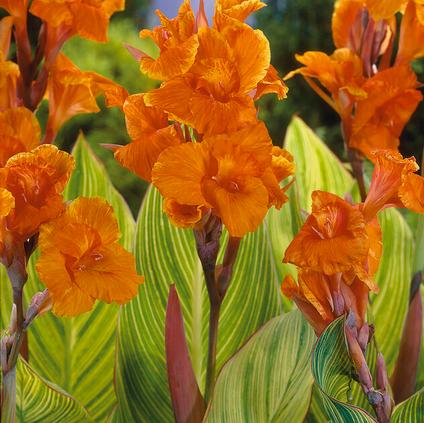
<point x="41" y="401"/>
<point x="268" y="379"/>
<point x="78" y="353"/>
<point x="166" y="254"/>
<point x="331" y="368"/>
<point x="388" y="307"/>
<point x="411" y="410"/>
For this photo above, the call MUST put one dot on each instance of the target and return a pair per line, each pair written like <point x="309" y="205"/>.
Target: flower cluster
<point x="373" y="96"/>
<point x="339" y="247"/>
<point x="197" y="137"/>
<point x="33" y="173"/>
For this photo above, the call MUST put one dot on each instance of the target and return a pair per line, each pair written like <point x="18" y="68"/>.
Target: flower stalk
<point x="218" y="279"/>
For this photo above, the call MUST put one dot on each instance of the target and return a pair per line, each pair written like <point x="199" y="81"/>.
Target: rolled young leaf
<point x="187" y="401"/>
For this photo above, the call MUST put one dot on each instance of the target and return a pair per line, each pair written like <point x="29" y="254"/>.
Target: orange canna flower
<point x="221" y="80"/>
<point x="223" y="173"/>
<point x="79" y="270"/>
<point x="72" y="91"/>
<point x="36" y="180"/>
<point x="177" y="42"/>
<point x="87" y="18"/>
<point x="150" y="132"/>
<point x="19" y="131"/>
<point x="392" y="98"/>
<point x="9" y="74"/>
<point x="333" y="239"/>
<point x="393" y="184"/>
<point x="238" y="9"/>
<point x="341" y="74"/>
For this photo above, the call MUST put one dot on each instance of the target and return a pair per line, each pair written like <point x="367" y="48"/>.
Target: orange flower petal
<point x="55" y="12"/>
<point x="391" y="100"/>
<point x="92" y="265"/>
<point x="115" y="94"/>
<point x="388" y="175"/>
<point x="383" y="9"/>
<point x="141" y="155"/>
<point x="17" y="8"/>
<point x="173" y="96"/>
<point x="242" y="210"/>
<point x="173" y="61"/>
<point x="411" y="192"/>
<point x="109" y="275"/>
<point x="344" y="16"/>
<point x="98" y="215"/>
<point x="20" y="132"/>
<point x="238" y="9"/>
<point x="333" y="239"/>
<point x="182" y="215"/>
<point x="253" y="63"/>
<point x="9" y="74"/>
<point x="7" y="202"/>
<point x="179" y="171"/>
<point x="411" y="41"/>
<point x="68" y="298"/>
<point x="271" y="84"/>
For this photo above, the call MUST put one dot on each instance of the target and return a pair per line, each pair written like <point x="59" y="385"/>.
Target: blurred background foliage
<point x="292" y="26"/>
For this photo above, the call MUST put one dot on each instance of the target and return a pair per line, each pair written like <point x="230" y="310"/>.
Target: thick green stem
<point x="213" y="341"/>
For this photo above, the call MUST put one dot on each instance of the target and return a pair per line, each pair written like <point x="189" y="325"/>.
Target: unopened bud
<point x="41" y="302"/>
<point x="364" y="336"/>
<point x="382" y="379"/>
<point x="13" y="324"/>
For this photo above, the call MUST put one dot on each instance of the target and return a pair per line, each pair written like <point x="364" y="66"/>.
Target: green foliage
<point x="166" y="254"/>
<point x="269" y="379"/>
<point x="41" y="401"/>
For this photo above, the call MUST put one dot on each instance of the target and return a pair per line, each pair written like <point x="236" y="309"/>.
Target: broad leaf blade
<point x="269" y="378"/>
<point x="41" y="401"/>
<point x="166" y="254"/>
<point x="411" y="410"/>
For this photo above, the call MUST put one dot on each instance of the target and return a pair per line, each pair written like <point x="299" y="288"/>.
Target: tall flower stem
<point x="218" y="279"/>
<point x="212" y="349"/>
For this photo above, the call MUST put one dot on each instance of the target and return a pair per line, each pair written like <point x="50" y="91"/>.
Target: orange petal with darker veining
<point x="179" y="171"/>
<point x="383" y="9"/>
<point x="238" y="9"/>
